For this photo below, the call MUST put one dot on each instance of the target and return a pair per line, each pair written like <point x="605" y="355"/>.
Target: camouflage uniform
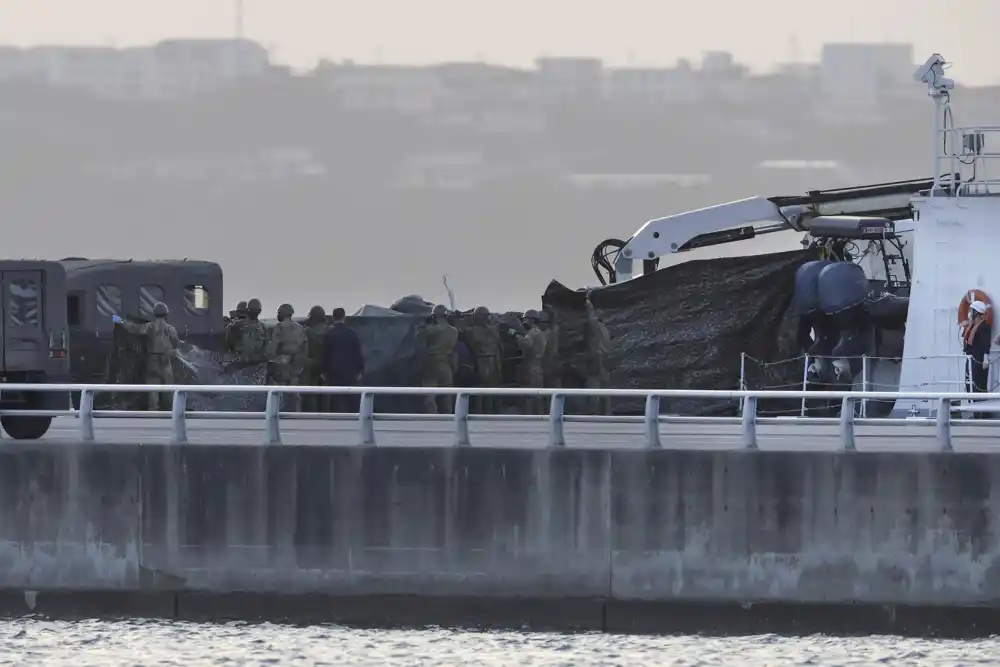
<point x="285" y="352"/>
<point x="161" y="345"/>
<point x="598" y="348"/>
<point x="532" y="346"/>
<point x="234" y="330"/>
<point x="484" y="340"/>
<point x="315" y="330"/>
<point x="253" y="336"/>
<point x="439" y="339"/>
<point x="551" y="364"/>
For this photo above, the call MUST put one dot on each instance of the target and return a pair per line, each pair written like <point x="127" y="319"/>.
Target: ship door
<point x="24" y="343"/>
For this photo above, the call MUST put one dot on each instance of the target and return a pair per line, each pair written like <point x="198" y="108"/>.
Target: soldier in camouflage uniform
<point x="286" y="353"/>
<point x="552" y="364"/>
<point x="162" y="344"/>
<point x="598" y="348"/>
<point x="234" y="331"/>
<point x="440" y="339"/>
<point x="253" y="336"/>
<point x="532" y="345"/>
<point x="484" y="340"/>
<point x="315" y="329"/>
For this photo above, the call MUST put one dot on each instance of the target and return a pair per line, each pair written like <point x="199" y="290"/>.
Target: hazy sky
<point x="759" y="32"/>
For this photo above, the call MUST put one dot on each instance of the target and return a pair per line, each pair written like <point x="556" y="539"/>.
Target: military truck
<point x="35" y="338"/>
<point x="98" y="289"/>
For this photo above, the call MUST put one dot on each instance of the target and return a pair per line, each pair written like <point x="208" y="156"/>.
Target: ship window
<point x="24" y="302"/>
<point x="196" y="299"/>
<point x="149" y="295"/>
<point x="74" y="310"/>
<point x="109" y="300"/>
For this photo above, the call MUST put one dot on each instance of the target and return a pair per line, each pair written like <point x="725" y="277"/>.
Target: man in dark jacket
<point x="343" y="361"/>
<point x="977" y="339"/>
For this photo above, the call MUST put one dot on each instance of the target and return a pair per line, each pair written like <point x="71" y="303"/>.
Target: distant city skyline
<point x="762" y="34"/>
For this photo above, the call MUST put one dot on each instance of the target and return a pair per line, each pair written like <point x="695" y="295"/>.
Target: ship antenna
<point x="938" y="85"/>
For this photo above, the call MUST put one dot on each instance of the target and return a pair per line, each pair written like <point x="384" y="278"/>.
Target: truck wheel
<point x="25" y="428"/>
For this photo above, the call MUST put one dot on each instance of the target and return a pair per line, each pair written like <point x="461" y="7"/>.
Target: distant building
<point x="405" y="89"/>
<point x="564" y="79"/>
<point x="167" y="70"/>
<point x="855" y="77"/>
<point x="653" y="85"/>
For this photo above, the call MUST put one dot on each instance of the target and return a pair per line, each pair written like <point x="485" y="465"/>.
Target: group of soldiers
<point x="300" y="354"/>
<point x="540" y="365"/>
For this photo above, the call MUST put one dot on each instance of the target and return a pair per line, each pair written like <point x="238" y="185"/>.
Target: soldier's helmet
<point x="160" y="309"/>
<point x="317" y="313"/>
<point x="439" y="311"/>
<point x="285" y="310"/>
<point x="481" y="312"/>
<point x="241" y="307"/>
<point x="531" y="314"/>
<point x="253" y="305"/>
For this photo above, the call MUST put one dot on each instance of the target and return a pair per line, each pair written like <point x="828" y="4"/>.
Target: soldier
<point x="286" y="352"/>
<point x="552" y="364"/>
<point x="234" y="331"/>
<point x="162" y="344"/>
<point x="598" y="347"/>
<point x="484" y="341"/>
<point x="532" y="346"/>
<point x="315" y="329"/>
<point x="440" y="339"/>
<point x="253" y="335"/>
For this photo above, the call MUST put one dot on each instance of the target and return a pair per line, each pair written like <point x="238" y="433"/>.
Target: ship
<point x="902" y="260"/>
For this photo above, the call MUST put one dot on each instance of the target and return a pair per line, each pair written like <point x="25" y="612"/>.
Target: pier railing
<point x="944" y="404"/>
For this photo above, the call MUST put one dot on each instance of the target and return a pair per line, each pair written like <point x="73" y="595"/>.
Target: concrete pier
<point x="623" y="540"/>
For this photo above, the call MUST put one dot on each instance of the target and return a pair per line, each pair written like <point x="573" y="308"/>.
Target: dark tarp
<point x="685" y="327"/>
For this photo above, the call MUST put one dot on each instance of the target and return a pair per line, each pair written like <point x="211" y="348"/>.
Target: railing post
<point x="805" y="384"/>
<point x="462" y="419"/>
<point x="557" y="431"/>
<point x="178" y="417"/>
<point x="272" y="410"/>
<point x="750" y="422"/>
<point x="864" y="385"/>
<point x="87" y="415"/>
<point x="743" y="377"/>
<point x="944" y="425"/>
<point x="653" y="421"/>
<point x="847" y="424"/>
<point x="366" y="418"/>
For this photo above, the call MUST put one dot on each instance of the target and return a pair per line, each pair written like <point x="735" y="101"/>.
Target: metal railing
<point x="461" y="418"/>
<point x="956" y="367"/>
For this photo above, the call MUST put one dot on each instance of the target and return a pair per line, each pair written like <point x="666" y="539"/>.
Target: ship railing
<point x="965" y="151"/>
<point x="955" y="368"/>
<point x="556" y="419"/>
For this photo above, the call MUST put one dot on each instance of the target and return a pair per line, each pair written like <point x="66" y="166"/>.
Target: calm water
<point x="33" y="642"/>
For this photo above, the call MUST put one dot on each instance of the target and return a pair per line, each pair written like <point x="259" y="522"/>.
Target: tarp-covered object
<point x="389" y="345"/>
<point x="685" y="327"/>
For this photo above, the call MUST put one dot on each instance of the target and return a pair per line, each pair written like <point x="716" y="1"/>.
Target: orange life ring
<point x="967" y="299"/>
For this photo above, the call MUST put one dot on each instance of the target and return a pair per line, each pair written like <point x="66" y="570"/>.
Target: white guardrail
<point x="557" y="418"/>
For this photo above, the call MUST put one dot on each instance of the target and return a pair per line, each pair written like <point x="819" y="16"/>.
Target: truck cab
<point x="35" y="337"/>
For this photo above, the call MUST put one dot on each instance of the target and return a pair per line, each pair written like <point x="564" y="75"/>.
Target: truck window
<point x="74" y="309"/>
<point x="24" y="302"/>
<point x="109" y="300"/>
<point x="148" y="296"/>
<point x="196" y="299"/>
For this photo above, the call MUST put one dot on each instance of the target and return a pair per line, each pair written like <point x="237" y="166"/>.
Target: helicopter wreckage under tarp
<point x="687" y="327"/>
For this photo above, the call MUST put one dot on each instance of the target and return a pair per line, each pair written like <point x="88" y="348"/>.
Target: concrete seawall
<point x="615" y="540"/>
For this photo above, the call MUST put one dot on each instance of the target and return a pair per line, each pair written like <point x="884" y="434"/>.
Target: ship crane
<point x="748" y="218"/>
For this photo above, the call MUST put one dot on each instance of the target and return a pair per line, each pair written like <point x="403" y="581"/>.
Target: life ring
<point x="967" y="299"/>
